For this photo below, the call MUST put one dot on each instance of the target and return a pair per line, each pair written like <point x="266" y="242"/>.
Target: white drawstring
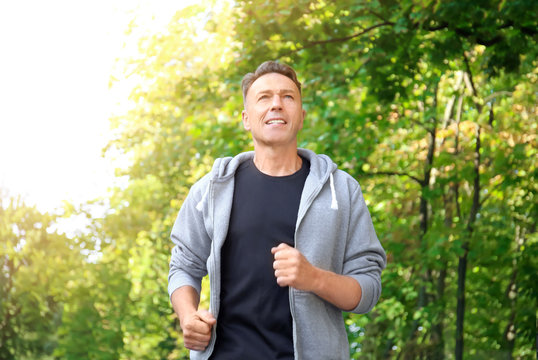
<point x="200" y="204"/>
<point x="334" y="203"/>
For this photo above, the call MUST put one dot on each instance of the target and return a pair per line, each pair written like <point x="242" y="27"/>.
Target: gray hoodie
<point x="334" y="232"/>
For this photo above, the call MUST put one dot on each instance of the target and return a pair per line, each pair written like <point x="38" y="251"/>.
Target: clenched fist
<point x="197" y="329"/>
<point x="292" y="268"/>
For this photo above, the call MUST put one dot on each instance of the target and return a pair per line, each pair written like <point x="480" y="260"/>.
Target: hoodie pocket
<point x="321" y="332"/>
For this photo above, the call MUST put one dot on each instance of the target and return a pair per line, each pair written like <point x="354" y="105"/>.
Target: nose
<point x="277" y="103"/>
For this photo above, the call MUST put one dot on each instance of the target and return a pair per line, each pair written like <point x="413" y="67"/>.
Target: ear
<point x="246" y="122"/>
<point x="302" y="119"/>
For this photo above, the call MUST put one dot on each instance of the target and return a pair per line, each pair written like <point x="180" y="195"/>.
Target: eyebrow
<point x="281" y="91"/>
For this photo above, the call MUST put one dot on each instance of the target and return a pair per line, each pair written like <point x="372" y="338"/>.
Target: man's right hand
<point x="196" y="328"/>
<point x="196" y="324"/>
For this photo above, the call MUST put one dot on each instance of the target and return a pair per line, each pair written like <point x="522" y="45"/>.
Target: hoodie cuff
<point x="370" y="289"/>
<point x="181" y="279"/>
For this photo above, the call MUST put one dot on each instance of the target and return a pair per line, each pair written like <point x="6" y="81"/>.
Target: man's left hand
<point x="292" y="268"/>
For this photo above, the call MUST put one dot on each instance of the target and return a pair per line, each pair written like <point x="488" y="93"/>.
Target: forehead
<point x="273" y="82"/>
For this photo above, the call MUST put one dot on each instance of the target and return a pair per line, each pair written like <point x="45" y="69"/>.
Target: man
<point x="286" y="238"/>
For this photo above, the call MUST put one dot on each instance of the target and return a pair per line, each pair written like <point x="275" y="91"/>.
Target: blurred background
<point x="110" y="111"/>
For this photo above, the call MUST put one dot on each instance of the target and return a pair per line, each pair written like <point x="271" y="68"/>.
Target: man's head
<point x="267" y="68"/>
<point x="273" y="111"/>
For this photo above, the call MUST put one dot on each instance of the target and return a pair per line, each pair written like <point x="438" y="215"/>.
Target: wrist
<point x="185" y="315"/>
<point x="185" y="303"/>
<point x="318" y="280"/>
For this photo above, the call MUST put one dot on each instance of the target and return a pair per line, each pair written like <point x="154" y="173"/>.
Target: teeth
<point x="275" y="122"/>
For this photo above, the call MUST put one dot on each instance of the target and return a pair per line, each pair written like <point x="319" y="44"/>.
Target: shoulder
<point x="198" y="188"/>
<point x="223" y="168"/>
<point x="345" y="182"/>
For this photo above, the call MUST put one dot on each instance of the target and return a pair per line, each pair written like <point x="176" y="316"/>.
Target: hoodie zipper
<point x="212" y="281"/>
<point x="308" y="202"/>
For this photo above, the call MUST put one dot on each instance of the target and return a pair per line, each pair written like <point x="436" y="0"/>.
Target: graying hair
<point x="266" y="68"/>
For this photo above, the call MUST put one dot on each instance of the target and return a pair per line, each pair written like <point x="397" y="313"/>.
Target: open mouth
<point x="274" y="121"/>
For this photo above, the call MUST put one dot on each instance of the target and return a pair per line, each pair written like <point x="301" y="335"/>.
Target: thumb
<point x="207" y="317"/>
<point x="281" y="246"/>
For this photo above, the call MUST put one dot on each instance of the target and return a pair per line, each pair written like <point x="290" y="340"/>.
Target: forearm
<point x="292" y="269"/>
<point x="342" y="291"/>
<point x="185" y="301"/>
<point x="196" y="324"/>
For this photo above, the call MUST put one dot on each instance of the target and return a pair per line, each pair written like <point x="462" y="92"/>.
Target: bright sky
<point x="56" y="60"/>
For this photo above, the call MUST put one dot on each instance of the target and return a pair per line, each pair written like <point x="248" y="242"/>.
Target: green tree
<point x="183" y="117"/>
<point x="430" y="105"/>
<point x="38" y="266"/>
<point x="412" y="91"/>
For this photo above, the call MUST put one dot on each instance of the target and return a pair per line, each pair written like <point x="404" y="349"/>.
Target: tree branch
<point x="342" y="39"/>
<point x="486" y="42"/>
<point x="418" y="123"/>
<point x="379" y="16"/>
<point x="469" y="74"/>
<point x="496" y="94"/>
<point x="489" y="193"/>
<point x="527" y="30"/>
<point x="466" y="32"/>
<point x="395" y="173"/>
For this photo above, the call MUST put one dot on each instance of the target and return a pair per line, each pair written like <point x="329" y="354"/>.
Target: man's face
<point x="273" y="111"/>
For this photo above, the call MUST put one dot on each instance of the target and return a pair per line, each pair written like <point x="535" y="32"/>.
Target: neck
<point x="277" y="162"/>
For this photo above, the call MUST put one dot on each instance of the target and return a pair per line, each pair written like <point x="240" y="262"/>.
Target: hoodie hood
<point x="321" y="170"/>
<point x="321" y="166"/>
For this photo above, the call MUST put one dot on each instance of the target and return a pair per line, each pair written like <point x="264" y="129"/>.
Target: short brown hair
<point x="267" y="68"/>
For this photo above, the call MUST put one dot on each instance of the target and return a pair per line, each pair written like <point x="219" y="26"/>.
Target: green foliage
<point x="431" y="105"/>
<point x="397" y="93"/>
<point x="37" y="267"/>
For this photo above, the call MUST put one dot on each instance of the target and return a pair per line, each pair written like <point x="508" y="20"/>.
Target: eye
<point x="288" y="97"/>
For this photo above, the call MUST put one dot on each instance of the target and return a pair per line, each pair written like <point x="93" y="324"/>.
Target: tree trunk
<point x="438" y="342"/>
<point x="424" y="217"/>
<point x="462" y="263"/>
<point x="460" y="312"/>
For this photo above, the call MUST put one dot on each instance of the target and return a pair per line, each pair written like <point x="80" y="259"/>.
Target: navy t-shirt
<point x="254" y="320"/>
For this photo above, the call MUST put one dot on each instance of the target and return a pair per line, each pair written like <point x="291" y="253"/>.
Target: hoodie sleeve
<point x="364" y="257"/>
<point x="192" y="245"/>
